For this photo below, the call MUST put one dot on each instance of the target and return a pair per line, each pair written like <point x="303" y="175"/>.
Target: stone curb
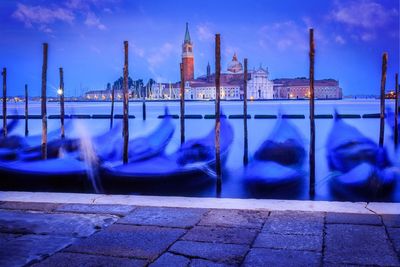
<point x="212" y="203"/>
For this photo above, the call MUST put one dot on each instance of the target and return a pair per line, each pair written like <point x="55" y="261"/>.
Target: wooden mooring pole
<point x="126" y="105"/>
<point x="26" y="110"/>
<point x="396" y="113"/>
<point x="382" y="113"/>
<point x="144" y="104"/>
<point x="218" y="112"/>
<point x="43" y="102"/>
<point x="182" y="104"/>
<point x="62" y="109"/>
<point x="312" y="122"/>
<point x="112" y="106"/>
<point x="245" y="132"/>
<point x="4" y="73"/>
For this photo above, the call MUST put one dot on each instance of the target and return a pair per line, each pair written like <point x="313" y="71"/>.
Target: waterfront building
<point x="299" y="88"/>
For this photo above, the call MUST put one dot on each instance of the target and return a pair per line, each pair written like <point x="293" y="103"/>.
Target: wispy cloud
<point x="93" y="21"/>
<point x="158" y="58"/>
<point x="160" y="55"/>
<point x="363" y="18"/>
<point x="204" y="32"/>
<point x="283" y="36"/>
<point x="41" y="16"/>
<point x="340" y="40"/>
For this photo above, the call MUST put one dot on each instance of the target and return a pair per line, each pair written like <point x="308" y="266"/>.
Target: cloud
<point x="340" y="40"/>
<point x="283" y="36"/>
<point x="93" y="21"/>
<point x="137" y="50"/>
<point x="41" y="16"/>
<point x="365" y="14"/>
<point x="204" y="32"/>
<point x="160" y="55"/>
<point x="364" y="18"/>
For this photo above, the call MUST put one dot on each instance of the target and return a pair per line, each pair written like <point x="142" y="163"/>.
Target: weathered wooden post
<point x="182" y="104"/>
<point x="217" y="111"/>
<point x="62" y="110"/>
<point x="246" y="143"/>
<point x="382" y="114"/>
<point x="126" y="105"/>
<point x="312" y="122"/>
<point x="144" y="104"/>
<point x="396" y="113"/>
<point x="26" y="110"/>
<point x="44" y="100"/>
<point x="112" y="106"/>
<point x="4" y="73"/>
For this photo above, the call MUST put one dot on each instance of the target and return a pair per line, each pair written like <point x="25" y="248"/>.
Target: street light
<point x="59" y="91"/>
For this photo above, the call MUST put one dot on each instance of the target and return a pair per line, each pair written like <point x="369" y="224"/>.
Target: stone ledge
<point x="212" y="203"/>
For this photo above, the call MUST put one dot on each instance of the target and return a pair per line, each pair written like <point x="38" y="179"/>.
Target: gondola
<point x="358" y="164"/>
<point x="71" y="172"/>
<point x="347" y="147"/>
<point x="15" y="147"/>
<point x="195" y="158"/>
<point x="279" y="159"/>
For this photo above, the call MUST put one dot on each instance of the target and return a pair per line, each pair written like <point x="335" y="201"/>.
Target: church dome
<point x="235" y="66"/>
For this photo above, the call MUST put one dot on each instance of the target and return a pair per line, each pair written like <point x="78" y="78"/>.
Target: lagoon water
<point x="258" y="131"/>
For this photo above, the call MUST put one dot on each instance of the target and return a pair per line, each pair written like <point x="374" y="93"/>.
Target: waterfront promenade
<point x="64" y="229"/>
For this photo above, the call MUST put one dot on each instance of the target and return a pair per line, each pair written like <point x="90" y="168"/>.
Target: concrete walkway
<point x="50" y="229"/>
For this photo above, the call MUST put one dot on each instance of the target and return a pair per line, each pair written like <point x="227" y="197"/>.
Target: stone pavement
<point x="48" y="234"/>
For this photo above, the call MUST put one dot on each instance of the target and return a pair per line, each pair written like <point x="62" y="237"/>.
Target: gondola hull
<point x="68" y="175"/>
<point x="365" y="180"/>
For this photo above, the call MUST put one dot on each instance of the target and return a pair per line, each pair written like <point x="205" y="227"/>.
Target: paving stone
<point x="145" y="242"/>
<point x="46" y="207"/>
<point x="216" y="234"/>
<point x="391" y="220"/>
<point x="349" y="218"/>
<point x="168" y="259"/>
<point x="28" y="248"/>
<point x="227" y="253"/>
<point x="297" y="242"/>
<point x="235" y="218"/>
<point x="284" y="258"/>
<point x="169" y="217"/>
<point x="358" y="244"/>
<point x="394" y="235"/>
<point x="44" y="223"/>
<point x="65" y="259"/>
<point x="119" y="210"/>
<point x="206" y="263"/>
<point x="300" y="223"/>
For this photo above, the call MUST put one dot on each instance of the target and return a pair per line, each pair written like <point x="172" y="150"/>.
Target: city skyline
<point x="85" y="38"/>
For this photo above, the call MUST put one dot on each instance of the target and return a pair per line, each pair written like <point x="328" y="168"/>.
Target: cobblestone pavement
<point x="44" y="234"/>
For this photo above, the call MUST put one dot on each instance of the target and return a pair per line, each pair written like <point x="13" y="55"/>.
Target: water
<point x="258" y="131"/>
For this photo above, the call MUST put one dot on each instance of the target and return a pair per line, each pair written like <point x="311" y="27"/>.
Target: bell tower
<point x="187" y="56"/>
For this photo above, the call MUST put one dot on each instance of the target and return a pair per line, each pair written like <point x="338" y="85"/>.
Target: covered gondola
<point x="191" y="164"/>
<point x="359" y="165"/>
<point x="279" y="159"/>
<point x="71" y="171"/>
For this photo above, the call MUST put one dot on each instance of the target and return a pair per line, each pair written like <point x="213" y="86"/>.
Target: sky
<point x="86" y="37"/>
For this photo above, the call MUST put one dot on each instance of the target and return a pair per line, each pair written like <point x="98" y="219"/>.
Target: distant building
<point x="187" y="56"/>
<point x="299" y="88"/>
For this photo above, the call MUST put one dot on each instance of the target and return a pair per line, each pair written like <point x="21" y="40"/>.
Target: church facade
<point x="203" y="87"/>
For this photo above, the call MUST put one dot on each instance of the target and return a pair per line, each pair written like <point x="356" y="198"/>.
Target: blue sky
<point x="86" y="38"/>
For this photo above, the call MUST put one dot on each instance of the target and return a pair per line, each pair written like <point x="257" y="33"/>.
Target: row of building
<point x="259" y="84"/>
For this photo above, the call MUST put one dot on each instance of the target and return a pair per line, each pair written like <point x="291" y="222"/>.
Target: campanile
<point x="187" y="56"/>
